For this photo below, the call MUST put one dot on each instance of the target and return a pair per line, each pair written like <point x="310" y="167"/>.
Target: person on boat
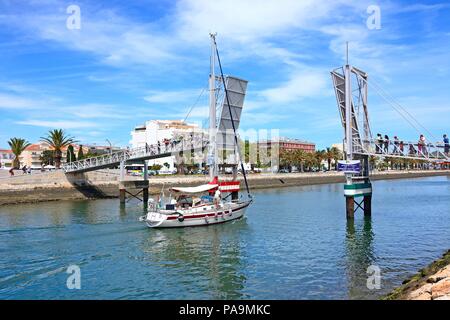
<point x="446" y="145"/>
<point x="217" y="197"/>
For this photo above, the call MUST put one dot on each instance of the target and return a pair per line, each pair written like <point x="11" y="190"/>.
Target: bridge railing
<point x="401" y="149"/>
<point x="147" y="151"/>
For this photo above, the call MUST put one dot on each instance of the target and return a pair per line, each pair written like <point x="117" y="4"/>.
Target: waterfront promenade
<point x="51" y="186"/>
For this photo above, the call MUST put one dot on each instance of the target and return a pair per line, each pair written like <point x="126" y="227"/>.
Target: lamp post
<point x="110" y="146"/>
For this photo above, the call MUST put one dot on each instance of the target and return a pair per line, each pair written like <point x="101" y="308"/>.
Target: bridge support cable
<point x="433" y="151"/>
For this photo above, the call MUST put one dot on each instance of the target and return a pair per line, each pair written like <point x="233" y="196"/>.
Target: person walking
<point x="421" y="145"/>
<point x="446" y="145"/>
<point x="396" y="145"/>
<point x="386" y="143"/>
<point x="379" y="146"/>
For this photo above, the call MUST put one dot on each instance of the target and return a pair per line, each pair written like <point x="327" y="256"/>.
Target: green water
<point x="294" y="243"/>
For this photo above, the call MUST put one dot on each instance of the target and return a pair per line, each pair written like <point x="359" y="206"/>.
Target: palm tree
<point x="57" y="139"/>
<point x="17" y="146"/>
<point x="320" y="155"/>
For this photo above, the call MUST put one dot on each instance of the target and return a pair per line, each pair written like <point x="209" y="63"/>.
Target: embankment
<point x="104" y="184"/>
<point x="430" y="283"/>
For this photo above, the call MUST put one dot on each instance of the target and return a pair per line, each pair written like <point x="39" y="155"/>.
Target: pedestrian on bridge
<point x="421" y="145"/>
<point x="446" y="145"/>
<point x="379" y="146"/>
<point x="396" y="145"/>
<point x="386" y="143"/>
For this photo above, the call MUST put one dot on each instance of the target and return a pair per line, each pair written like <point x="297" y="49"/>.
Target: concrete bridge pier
<point x="358" y="191"/>
<point x="126" y="186"/>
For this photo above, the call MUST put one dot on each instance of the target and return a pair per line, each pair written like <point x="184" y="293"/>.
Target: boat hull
<point x="222" y="215"/>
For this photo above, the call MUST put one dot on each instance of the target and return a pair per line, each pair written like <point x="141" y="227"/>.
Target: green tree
<point x="319" y="155"/>
<point x="71" y="154"/>
<point x="47" y="157"/>
<point x="332" y="154"/>
<point x="17" y="145"/>
<point x="80" y="153"/>
<point x="57" y="139"/>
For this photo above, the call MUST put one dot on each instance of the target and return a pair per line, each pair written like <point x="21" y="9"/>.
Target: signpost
<point x="349" y="166"/>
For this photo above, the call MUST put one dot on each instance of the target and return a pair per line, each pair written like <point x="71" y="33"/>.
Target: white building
<point x="6" y="159"/>
<point x="155" y="131"/>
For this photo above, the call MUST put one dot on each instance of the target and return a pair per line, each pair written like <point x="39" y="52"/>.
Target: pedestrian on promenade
<point x="24" y="169"/>
<point x="11" y="171"/>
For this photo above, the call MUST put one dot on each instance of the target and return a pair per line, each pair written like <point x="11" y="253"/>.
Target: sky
<point x="132" y="61"/>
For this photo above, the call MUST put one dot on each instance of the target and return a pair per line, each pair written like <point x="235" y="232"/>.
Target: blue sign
<point x="349" y="166"/>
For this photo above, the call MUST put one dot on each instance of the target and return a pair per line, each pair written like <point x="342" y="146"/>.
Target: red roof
<point x="33" y="147"/>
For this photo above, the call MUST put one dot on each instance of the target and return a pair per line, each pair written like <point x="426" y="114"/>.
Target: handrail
<point x="148" y="151"/>
<point x="401" y="149"/>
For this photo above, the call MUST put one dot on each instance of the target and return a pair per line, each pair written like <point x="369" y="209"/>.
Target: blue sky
<point x="139" y="60"/>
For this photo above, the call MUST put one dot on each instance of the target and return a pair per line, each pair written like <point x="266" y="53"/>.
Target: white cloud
<point x="299" y="86"/>
<point x="247" y="20"/>
<point x="164" y="97"/>
<point x="64" y="124"/>
<point x="8" y="101"/>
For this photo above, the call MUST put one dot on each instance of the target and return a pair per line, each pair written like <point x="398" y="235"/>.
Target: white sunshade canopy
<point x="196" y="189"/>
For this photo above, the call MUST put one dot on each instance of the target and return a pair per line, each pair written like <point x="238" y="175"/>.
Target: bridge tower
<point x="350" y="85"/>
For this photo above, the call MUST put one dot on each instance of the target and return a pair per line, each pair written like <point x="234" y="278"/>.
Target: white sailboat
<point x="205" y="204"/>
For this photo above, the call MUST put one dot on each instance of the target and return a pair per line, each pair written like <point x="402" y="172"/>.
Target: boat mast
<point x="212" y="157"/>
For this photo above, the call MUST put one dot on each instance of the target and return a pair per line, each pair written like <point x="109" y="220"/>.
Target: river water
<point x="294" y="243"/>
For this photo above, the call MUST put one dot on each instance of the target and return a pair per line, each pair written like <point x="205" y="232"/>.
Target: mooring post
<point x="122" y="196"/>
<point x="146" y="185"/>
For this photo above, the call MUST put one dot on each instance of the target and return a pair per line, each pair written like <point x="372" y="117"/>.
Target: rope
<point x="194" y="105"/>
<point x="404" y="110"/>
<point x="382" y="93"/>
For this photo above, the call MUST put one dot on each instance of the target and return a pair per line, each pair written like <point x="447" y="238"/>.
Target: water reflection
<point x="359" y="256"/>
<point x="209" y="258"/>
